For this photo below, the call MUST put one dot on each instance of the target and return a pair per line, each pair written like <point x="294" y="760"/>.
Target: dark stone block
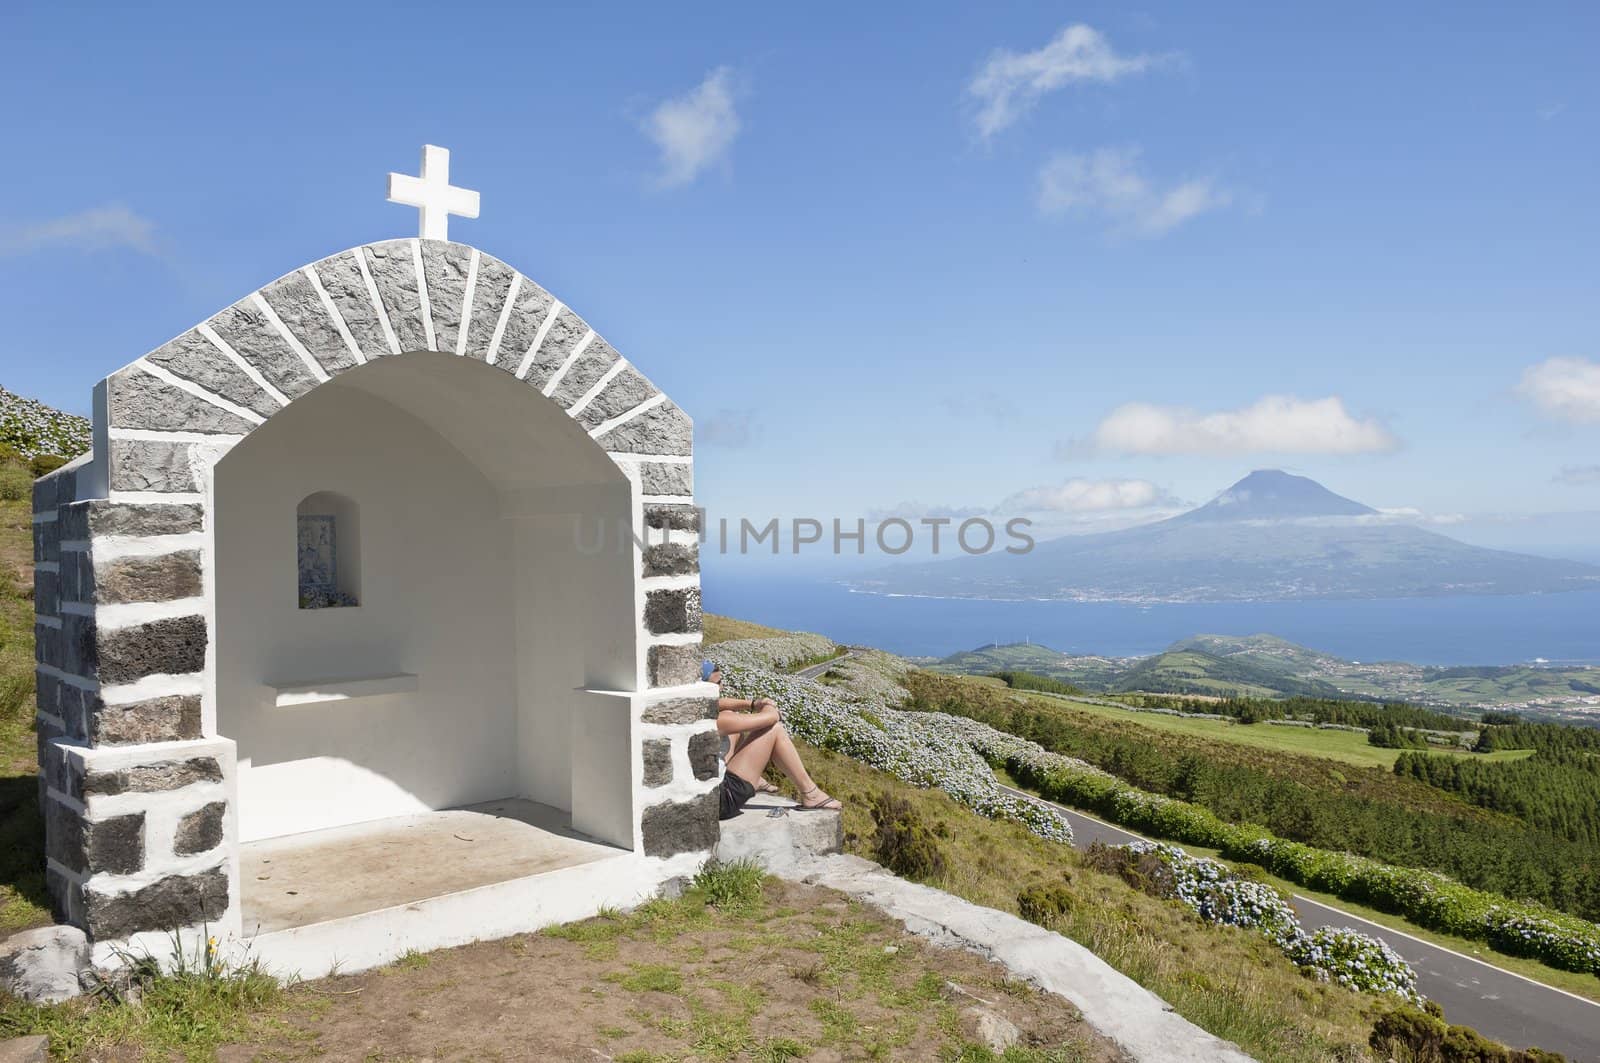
<point x="672" y="612"/>
<point x="66" y="897"/>
<point x="680" y="710"/>
<point x="47" y="540"/>
<point x="173" y="902"/>
<point x="169" y="719"/>
<point x="159" y="578"/>
<point x="111" y="846"/>
<point x="671" y="559"/>
<point x="78" y="651"/>
<point x="657" y="761"/>
<point x="704" y="751"/>
<point x="674" y="517"/>
<point x="81" y="520"/>
<point x="671" y="666"/>
<point x="681" y="826"/>
<point x="175" y="646"/>
<point x="201" y="830"/>
<point x="46" y="592"/>
<point x="153" y="778"/>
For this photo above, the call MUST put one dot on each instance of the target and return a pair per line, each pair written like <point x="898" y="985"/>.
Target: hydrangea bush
<point x="776" y="654"/>
<point x="1427" y="898"/>
<point x="918" y="748"/>
<point x="33" y="429"/>
<point x="1347" y="957"/>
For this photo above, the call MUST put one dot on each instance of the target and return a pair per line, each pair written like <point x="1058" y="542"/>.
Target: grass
<point x="23" y="900"/>
<point x="1230" y="982"/>
<point x="726" y="629"/>
<point x="1349" y="747"/>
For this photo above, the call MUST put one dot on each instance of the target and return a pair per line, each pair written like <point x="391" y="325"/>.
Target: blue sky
<point x="1081" y="260"/>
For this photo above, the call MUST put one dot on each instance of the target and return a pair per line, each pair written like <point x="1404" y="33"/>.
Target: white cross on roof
<point x="433" y="194"/>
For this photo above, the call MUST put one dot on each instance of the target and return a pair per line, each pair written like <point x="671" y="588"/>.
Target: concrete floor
<point x="309" y="878"/>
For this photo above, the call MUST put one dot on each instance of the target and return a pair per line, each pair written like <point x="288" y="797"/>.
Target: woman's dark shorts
<point x="735" y="792"/>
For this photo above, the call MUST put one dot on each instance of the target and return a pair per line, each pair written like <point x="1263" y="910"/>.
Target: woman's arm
<point x="733" y="716"/>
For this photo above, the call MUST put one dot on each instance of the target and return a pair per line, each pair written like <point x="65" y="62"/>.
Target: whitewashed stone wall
<point x="139" y="798"/>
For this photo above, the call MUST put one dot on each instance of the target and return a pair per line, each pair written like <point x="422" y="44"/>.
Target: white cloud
<point x="1107" y="182"/>
<point x="1080" y="495"/>
<point x="695" y="130"/>
<point x="1275" y="424"/>
<point x="1579" y="475"/>
<point x="1009" y="83"/>
<point x="1567" y="388"/>
<point x="95" y="229"/>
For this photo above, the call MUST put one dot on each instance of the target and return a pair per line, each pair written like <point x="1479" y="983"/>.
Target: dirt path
<point x="809" y="975"/>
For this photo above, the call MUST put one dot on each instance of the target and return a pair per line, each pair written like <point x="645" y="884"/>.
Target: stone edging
<point x="1138" y="1020"/>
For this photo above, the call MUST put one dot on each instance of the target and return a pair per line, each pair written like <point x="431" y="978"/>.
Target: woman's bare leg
<point x="773" y="744"/>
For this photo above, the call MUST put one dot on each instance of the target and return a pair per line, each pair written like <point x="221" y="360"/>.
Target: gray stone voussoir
<point x="296" y="302"/>
<point x="489" y="293"/>
<point x="341" y="279"/>
<point x="171" y="646"/>
<point x="197" y="360"/>
<point x="663" y="429"/>
<point x="566" y="332"/>
<point x="623" y="392"/>
<point x="153" y="578"/>
<point x="595" y="362"/>
<point x="245" y="328"/>
<point x="394" y="272"/>
<point x="675" y="827"/>
<point x="445" y="267"/>
<point x="170" y="903"/>
<point x="529" y="308"/>
<point x="135" y="399"/>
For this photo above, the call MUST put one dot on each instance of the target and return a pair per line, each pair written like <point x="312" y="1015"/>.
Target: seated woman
<point x="757" y="738"/>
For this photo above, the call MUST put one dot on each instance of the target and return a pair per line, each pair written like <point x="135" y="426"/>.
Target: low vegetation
<point x="1375" y="814"/>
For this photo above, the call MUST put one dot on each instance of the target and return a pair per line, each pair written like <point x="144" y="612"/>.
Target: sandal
<point x="827" y="804"/>
<point x="765" y="787"/>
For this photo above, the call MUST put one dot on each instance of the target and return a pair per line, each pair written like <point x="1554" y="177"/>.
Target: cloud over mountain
<point x="1274" y="424"/>
<point x="1565" y="388"/>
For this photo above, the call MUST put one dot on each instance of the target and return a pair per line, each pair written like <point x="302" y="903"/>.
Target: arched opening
<point x="453" y="492"/>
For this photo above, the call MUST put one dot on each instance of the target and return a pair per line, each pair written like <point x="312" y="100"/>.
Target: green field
<point x="1347" y="746"/>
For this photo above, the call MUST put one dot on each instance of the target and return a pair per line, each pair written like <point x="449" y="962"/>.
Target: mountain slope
<point x="1270" y="536"/>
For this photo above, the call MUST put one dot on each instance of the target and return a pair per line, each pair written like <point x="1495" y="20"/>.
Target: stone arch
<point x="122" y="537"/>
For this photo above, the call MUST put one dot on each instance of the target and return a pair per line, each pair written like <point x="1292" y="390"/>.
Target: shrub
<point x="903" y="843"/>
<point x="15" y="483"/>
<point x="1045" y="905"/>
<point x="1422" y="1036"/>
<point x="730" y="887"/>
<point x="43" y="464"/>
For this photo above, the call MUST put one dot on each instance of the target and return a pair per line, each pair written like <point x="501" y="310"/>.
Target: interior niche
<point x="328" y="551"/>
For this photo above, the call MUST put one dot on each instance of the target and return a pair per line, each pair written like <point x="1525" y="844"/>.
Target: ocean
<point x="1559" y="628"/>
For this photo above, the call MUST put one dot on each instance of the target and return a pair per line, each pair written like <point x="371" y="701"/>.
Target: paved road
<point x="1508" y="1007"/>
<point x="817" y="669"/>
